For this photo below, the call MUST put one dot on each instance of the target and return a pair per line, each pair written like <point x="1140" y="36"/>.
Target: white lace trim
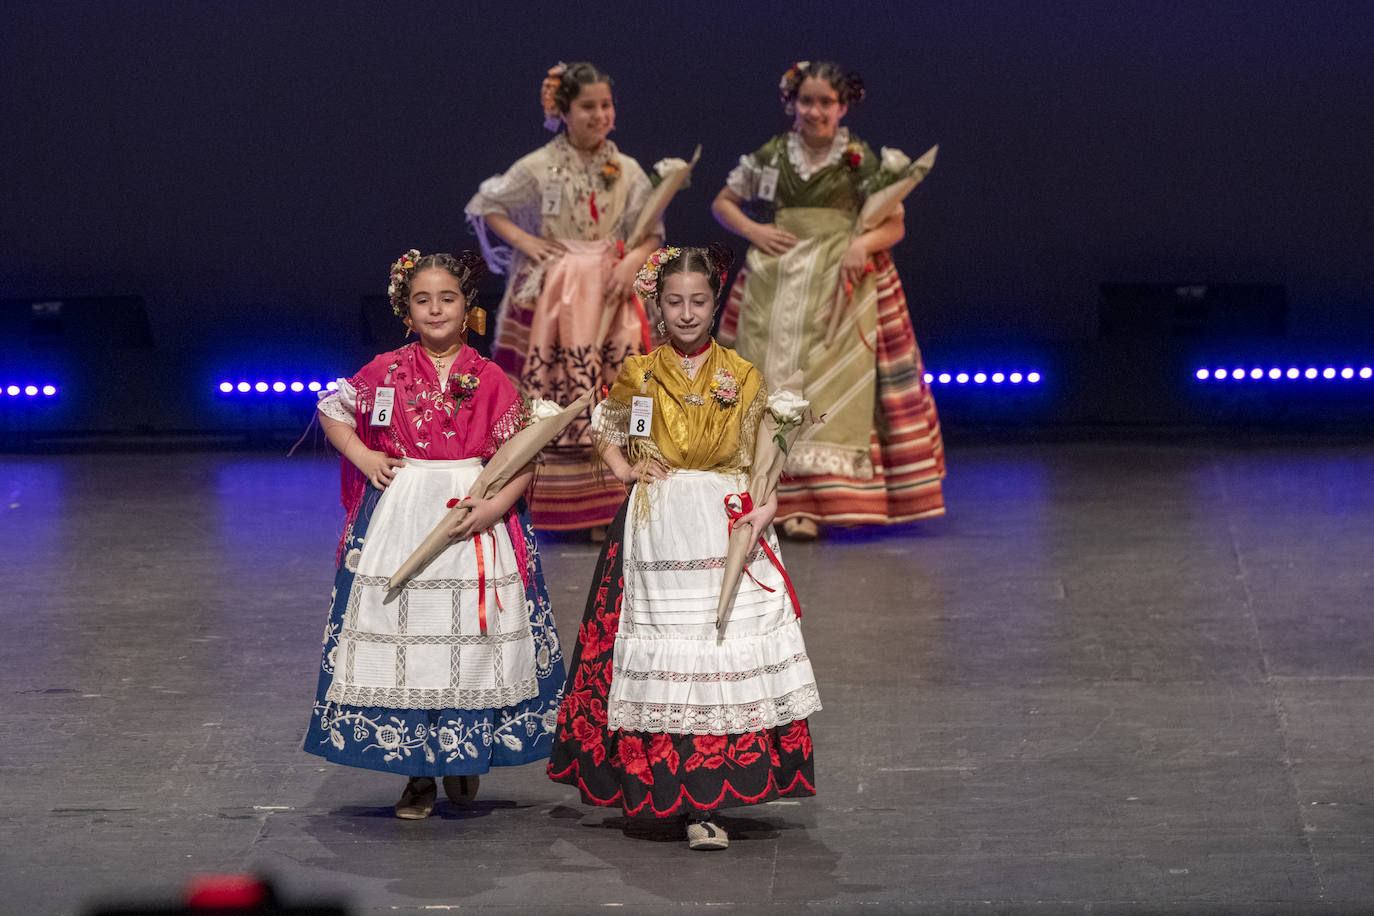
<point x="809" y="459"/>
<point x="340" y="405"/>
<point x="688" y="719"/>
<point x="714" y="677"/>
<point x="797" y="156"/>
<point x="434" y="698"/>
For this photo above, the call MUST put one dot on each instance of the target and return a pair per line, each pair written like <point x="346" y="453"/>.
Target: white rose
<point x="543" y="409"/>
<point x="895" y="161"/>
<point x="665" y="167"/>
<point x="787" y="407"/>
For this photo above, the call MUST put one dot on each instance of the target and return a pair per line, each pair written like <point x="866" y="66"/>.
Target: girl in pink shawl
<point x="460" y="670"/>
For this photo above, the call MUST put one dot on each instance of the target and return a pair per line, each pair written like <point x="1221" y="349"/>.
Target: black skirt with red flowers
<point x="656" y="774"/>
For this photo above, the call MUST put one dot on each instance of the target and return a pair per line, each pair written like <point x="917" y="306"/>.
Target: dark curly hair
<point x="714" y="261"/>
<point x="467" y="267"/>
<point x="848" y="85"/>
<point x="575" y="76"/>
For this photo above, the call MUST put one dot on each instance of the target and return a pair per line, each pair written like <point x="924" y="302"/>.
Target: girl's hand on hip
<point x="542" y="250"/>
<point x="645" y="469"/>
<point x="380" y="468"/>
<point x="770" y="239"/>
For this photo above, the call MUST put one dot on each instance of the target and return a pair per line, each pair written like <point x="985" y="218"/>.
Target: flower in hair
<point x="401" y="271"/>
<point x="646" y="281"/>
<point x="548" y="94"/>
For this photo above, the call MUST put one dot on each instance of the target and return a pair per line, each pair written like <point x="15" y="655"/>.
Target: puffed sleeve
<point x="514" y="195"/>
<point x="744" y="178"/>
<point x="341" y="405"/>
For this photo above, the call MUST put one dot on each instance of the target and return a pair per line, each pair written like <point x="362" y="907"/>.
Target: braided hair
<point x="848" y="85"/>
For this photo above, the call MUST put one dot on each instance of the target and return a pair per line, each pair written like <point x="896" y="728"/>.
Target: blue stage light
<point x="962" y="378"/>
<point x="1276" y="373"/>
<point x="1366" y="372"/>
<point x="1033" y="377"/>
<point x="314" y="386"/>
<point x="1015" y="378"/>
<point x="997" y="378"/>
<point x="297" y="387"/>
<point x="1310" y="373"/>
<point x="980" y="377"/>
<point x="1328" y="372"/>
<point x="49" y="390"/>
<point x="333" y="386"/>
<point x="944" y="378"/>
<point x="226" y="387"/>
<point x="930" y="377"/>
<point x="1347" y="372"/>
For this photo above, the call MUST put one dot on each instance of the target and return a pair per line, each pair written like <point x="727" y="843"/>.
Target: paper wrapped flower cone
<point x="518" y="451"/>
<point x="649" y="215"/>
<point x="880" y="206"/>
<point x="787" y="415"/>
<point x="657" y="202"/>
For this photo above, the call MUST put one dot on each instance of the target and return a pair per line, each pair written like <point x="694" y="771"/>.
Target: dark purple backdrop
<point x="252" y="167"/>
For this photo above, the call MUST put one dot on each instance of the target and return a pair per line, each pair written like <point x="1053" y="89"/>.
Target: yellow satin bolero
<point x="697" y="423"/>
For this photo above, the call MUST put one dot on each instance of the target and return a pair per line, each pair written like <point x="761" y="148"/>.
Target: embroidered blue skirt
<point x="438" y="742"/>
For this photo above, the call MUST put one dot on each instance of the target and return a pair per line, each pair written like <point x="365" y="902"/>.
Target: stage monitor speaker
<point x="1196" y="311"/>
<point x="76" y="323"/>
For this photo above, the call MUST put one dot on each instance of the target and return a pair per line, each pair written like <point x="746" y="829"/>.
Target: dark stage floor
<point x="1116" y="679"/>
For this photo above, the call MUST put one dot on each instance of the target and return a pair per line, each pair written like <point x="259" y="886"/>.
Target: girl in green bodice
<point x="878" y="458"/>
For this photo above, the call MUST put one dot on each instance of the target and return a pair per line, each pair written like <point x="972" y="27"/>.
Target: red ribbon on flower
<point x="744" y="507"/>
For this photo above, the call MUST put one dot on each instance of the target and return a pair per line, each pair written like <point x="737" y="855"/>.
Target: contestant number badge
<point x="641" y="416"/>
<point x="552" y="200"/>
<point x="768" y="183"/>
<point x="382" y="407"/>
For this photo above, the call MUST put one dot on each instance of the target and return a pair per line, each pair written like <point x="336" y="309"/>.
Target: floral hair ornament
<point x="548" y="95"/>
<point x="791" y="81"/>
<point x="401" y="270"/>
<point x="646" y="281"/>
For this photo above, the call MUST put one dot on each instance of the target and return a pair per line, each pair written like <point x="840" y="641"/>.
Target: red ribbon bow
<point x="738" y="505"/>
<point x="482" y="572"/>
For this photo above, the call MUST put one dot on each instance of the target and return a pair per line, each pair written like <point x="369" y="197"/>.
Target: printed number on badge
<point x="552" y="199"/>
<point x="641" y="416"/>
<point x="381" y="409"/>
<point x="768" y="183"/>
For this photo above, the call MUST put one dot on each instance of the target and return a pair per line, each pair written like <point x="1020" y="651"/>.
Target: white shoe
<point x="705" y="835"/>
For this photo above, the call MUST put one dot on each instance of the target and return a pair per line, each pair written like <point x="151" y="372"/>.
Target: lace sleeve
<point x="611" y="423"/>
<point x="744" y="178"/>
<point x="341" y="405"/>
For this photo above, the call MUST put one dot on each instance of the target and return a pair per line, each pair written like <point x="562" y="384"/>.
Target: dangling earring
<point x="662" y="328"/>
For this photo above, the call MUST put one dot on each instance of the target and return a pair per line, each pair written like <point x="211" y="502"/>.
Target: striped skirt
<point x="905" y="445"/>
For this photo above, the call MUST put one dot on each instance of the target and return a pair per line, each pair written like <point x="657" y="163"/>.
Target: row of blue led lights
<point x="29" y="390"/>
<point x="941" y="378"/>
<point x="277" y="387"/>
<point x="1274" y="373"/>
<point x="983" y="378"/>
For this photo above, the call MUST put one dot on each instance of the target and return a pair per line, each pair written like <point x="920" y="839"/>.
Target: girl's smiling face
<point x="688" y="306"/>
<point x="438" y="309"/>
<point x="590" y="116"/>
<point x="818" y="110"/>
